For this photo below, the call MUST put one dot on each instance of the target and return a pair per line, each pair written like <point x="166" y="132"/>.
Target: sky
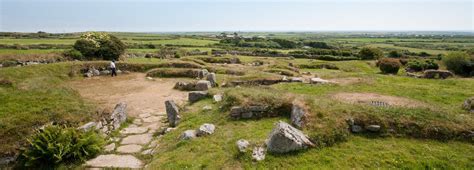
<point x="235" y="15"/>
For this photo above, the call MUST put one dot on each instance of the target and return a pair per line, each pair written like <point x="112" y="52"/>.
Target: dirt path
<point x="145" y="99"/>
<point x="141" y="94"/>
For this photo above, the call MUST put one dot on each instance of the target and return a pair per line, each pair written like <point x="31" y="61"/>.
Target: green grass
<point x="416" y="50"/>
<point x="30" y="51"/>
<point x="219" y="149"/>
<point x="38" y="96"/>
<point x="11" y="41"/>
<point x="177" y="41"/>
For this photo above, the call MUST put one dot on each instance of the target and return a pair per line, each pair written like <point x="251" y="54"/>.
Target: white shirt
<point x="112" y="65"/>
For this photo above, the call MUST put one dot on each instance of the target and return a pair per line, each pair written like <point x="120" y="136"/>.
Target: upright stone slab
<point x="285" y="138"/>
<point x="203" y="85"/>
<point x="211" y="77"/>
<point x="298" y="114"/>
<point x="119" y="115"/>
<point x="172" y="112"/>
<point x="195" y="96"/>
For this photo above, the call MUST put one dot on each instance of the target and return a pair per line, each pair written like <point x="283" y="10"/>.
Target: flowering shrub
<point x="98" y="45"/>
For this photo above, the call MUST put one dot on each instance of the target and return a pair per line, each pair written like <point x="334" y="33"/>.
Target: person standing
<point x="113" y="68"/>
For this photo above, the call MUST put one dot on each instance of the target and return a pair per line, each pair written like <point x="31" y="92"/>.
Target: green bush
<point x="368" y="53"/>
<point x="57" y="144"/>
<point x="417" y="65"/>
<point x="389" y="65"/>
<point x="73" y="54"/>
<point x="394" y="54"/>
<point x="100" y="46"/>
<point x="460" y="63"/>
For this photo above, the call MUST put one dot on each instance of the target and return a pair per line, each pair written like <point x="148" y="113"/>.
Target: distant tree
<point x="315" y="44"/>
<point x="394" y="54"/>
<point x="100" y="46"/>
<point x="285" y="43"/>
<point x="460" y="63"/>
<point x="368" y="53"/>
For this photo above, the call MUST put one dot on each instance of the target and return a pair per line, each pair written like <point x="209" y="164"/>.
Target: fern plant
<point x="59" y="144"/>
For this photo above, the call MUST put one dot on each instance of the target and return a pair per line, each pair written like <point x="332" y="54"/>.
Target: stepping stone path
<point x="136" y="139"/>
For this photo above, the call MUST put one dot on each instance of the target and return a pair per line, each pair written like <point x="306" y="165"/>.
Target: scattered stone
<point x="211" y="77"/>
<point x="185" y="86"/>
<point x="95" y="72"/>
<point x="285" y="138"/>
<point x="115" y="161"/>
<point x="469" y="104"/>
<point x="149" y="78"/>
<point x="195" y="96"/>
<point x="104" y="72"/>
<point x="203" y="85"/>
<point x="134" y="130"/>
<point x="87" y="126"/>
<point x="207" y="107"/>
<point x="217" y="97"/>
<point x="285" y="79"/>
<point x="119" y="71"/>
<point x="436" y="74"/>
<point x="318" y="81"/>
<point x="137" y="139"/>
<point x="188" y="134"/>
<point x="110" y="147"/>
<point x="206" y="129"/>
<point x="373" y="128"/>
<point x="258" y="153"/>
<point x="356" y="129"/>
<point x="129" y="148"/>
<point x="172" y="112"/>
<point x="119" y="115"/>
<point x="7" y="160"/>
<point x="247" y="112"/>
<point x="153" y="144"/>
<point x="147" y="152"/>
<point x="296" y="79"/>
<point x="242" y="145"/>
<point x="298" y="114"/>
<point x="167" y="130"/>
<point x="89" y="75"/>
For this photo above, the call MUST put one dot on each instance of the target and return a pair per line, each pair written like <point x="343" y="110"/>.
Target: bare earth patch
<point x="140" y="94"/>
<point x="368" y="98"/>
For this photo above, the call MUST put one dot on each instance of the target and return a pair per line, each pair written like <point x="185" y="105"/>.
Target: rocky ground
<point x="146" y="104"/>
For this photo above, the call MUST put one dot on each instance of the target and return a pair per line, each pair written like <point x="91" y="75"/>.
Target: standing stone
<point x="258" y="153"/>
<point x="212" y="79"/>
<point x="195" y="96"/>
<point x="188" y="134"/>
<point x="285" y="138"/>
<point x="203" y="85"/>
<point x="203" y="73"/>
<point x="469" y="104"/>
<point x="242" y="145"/>
<point x="206" y="129"/>
<point x="119" y="115"/>
<point x="172" y="112"/>
<point x="298" y="114"/>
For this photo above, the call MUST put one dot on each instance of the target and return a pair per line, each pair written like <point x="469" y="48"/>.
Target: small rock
<point x="207" y="107"/>
<point x="104" y="72"/>
<point x="203" y="85"/>
<point x="469" y="105"/>
<point x="147" y="152"/>
<point x="296" y="79"/>
<point x="172" y="112"/>
<point x="356" y="128"/>
<point x="285" y="138"/>
<point x="167" y="130"/>
<point x="87" y="126"/>
<point x="203" y="73"/>
<point x="95" y="72"/>
<point x="298" y="114"/>
<point x="137" y="122"/>
<point x="217" y="98"/>
<point x="195" y="96"/>
<point x="206" y="129"/>
<point x="149" y="78"/>
<point x="88" y="74"/>
<point x="318" y="81"/>
<point x="373" y="128"/>
<point x="109" y="147"/>
<point x="188" y="134"/>
<point x="242" y="145"/>
<point x="258" y="153"/>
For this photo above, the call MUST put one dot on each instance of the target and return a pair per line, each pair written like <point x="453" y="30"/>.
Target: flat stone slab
<point x="144" y="115"/>
<point x="115" y="161"/>
<point x="129" y="148"/>
<point x="109" y="147"/>
<point x="137" y="122"/>
<point x="137" y="139"/>
<point x="134" y="130"/>
<point x="152" y="119"/>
